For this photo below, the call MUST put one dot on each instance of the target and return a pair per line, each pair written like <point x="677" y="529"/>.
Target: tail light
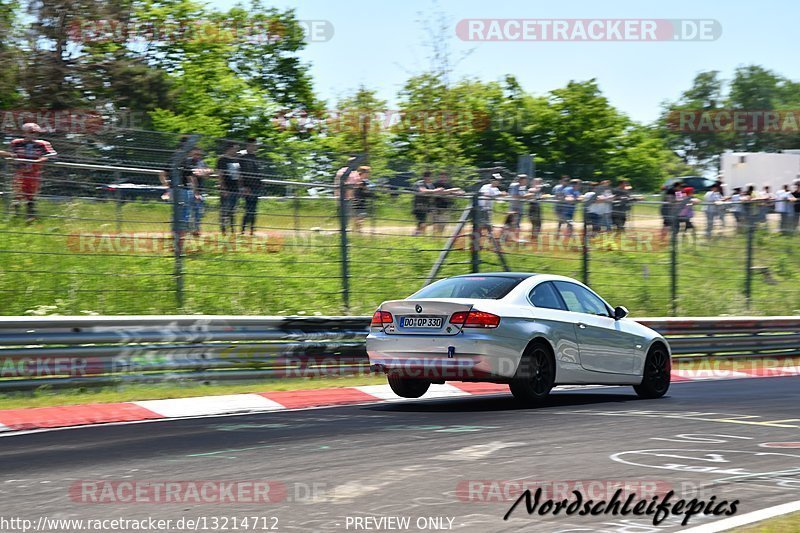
<point x="381" y="319"/>
<point x="474" y="319"/>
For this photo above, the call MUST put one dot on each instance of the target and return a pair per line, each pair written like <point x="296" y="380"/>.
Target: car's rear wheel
<point x="408" y="387"/>
<point x="535" y="375"/>
<point x="656" y="374"/>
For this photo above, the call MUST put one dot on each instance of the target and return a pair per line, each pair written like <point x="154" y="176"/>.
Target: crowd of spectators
<point x="747" y="206"/>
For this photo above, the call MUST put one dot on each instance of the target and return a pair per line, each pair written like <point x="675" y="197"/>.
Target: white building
<point x="739" y="169"/>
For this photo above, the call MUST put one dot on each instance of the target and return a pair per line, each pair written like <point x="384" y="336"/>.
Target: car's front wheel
<point x="535" y="375"/>
<point x="408" y="387"/>
<point x="656" y="374"/>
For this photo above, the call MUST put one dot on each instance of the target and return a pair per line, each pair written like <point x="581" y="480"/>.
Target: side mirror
<point x="620" y="312"/>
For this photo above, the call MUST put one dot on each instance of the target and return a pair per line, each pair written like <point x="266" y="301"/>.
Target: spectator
<point x="593" y="209"/>
<point x="422" y="201"/>
<point x="229" y="171"/>
<point x="736" y="207"/>
<point x="766" y="201"/>
<point x="337" y="183"/>
<point x="533" y="196"/>
<point x="712" y="206"/>
<point x="27" y="176"/>
<point x="749" y="205"/>
<point x="361" y="196"/>
<point x="796" y="214"/>
<point x="487" y="195"/>
<point x="571" y="195"/>
<point x="724" y="206"/>
<point x="560" y="205"/>
<point x="668" y="208"/>
<point x="517" y="191"/>
<point x="251" y="183"/>
<point x="620" y="205"/>
<point x="603" y="199"/>
<point x="193" y="170"/>
<point x="443" y="202"/>
<point x="785" y="209"/>
<point x="686" y="200"/>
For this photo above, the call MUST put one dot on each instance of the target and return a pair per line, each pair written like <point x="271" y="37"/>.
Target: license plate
<point x="421" y="322"/>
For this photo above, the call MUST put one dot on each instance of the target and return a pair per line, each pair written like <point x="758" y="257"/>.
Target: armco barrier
<point x="91" y="350"/>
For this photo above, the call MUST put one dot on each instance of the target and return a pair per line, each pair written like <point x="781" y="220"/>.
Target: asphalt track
<point x="417" y="459"/>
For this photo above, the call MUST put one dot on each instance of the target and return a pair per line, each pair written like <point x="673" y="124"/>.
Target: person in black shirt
<point x="796" y="195"/>
<point x="229" y="172"/>
<point x="443" y="202"/>
<point x="192" y="171"/>
<point x="620" y="205"/>
<point x="421" y="202"/>
<point x="251" y="184"/>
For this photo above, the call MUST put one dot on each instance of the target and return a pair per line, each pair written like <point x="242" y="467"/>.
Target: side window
<point x="580" y="300"/>
<point x="544" y="295"/>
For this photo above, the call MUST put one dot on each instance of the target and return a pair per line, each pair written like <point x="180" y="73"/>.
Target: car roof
<point x="515" y="275"/>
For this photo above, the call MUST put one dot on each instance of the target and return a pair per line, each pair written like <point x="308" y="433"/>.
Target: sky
<point x="380" y="44"/>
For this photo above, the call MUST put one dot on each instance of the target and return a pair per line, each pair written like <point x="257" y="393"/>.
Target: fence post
<point x="119" y="202"/>
<point x="179" y="200"/>
<point x="673" y="210"/>
<point x="296" y="202"/>
<point x="343" y="244"/>
<point x="5" y="171"/>
<point x="476" y="235"/>
<point x="748" y="275"/>
<point x="177" y="237"/>
<point x="585" y="245"/>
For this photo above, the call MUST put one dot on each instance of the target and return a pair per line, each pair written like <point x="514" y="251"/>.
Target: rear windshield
<point x="485" y="288"/>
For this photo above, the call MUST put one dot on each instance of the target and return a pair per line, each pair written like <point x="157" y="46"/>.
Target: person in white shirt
<point x="712" y="207"/>
<point x="604" y="197"/>
<point x="785" y="209"/>
<point x="486" y="199"/>
<point x="593" y="208"/>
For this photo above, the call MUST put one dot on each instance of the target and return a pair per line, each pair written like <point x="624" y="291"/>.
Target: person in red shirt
<point x="28" y="174"/>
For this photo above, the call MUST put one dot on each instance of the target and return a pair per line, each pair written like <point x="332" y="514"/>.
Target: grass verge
<point x="781" y="524"/>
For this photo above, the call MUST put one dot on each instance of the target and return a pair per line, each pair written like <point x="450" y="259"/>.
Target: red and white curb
<point x="103" y="413"/>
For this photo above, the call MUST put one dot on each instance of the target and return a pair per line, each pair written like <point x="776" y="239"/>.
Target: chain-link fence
<point x="145" y="223"/>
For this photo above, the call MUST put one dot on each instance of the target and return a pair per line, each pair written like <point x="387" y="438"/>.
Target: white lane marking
<point x="749" y="518"/>
<point x="209" y="405"/>
<point x="710" y="374"/>
<point x="479" y="451"/>
<point x="382" y="392"/>
<point x="444" y="391"/>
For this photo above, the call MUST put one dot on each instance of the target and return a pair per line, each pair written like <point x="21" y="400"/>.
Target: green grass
<point x="783" y="524"/>
<point x="136" y="392"/>
<point x="45" y="270"/>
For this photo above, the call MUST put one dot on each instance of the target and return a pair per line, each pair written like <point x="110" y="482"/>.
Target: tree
<point x="585" y="132"/>
<point x="10" y="54"/>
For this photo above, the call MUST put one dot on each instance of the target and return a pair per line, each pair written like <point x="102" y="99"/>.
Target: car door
<point x="560" y="322"/>
<point x="602" y="343"/>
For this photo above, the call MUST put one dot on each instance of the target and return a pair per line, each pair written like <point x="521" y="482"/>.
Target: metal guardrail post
<point x="476" y="236"/>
